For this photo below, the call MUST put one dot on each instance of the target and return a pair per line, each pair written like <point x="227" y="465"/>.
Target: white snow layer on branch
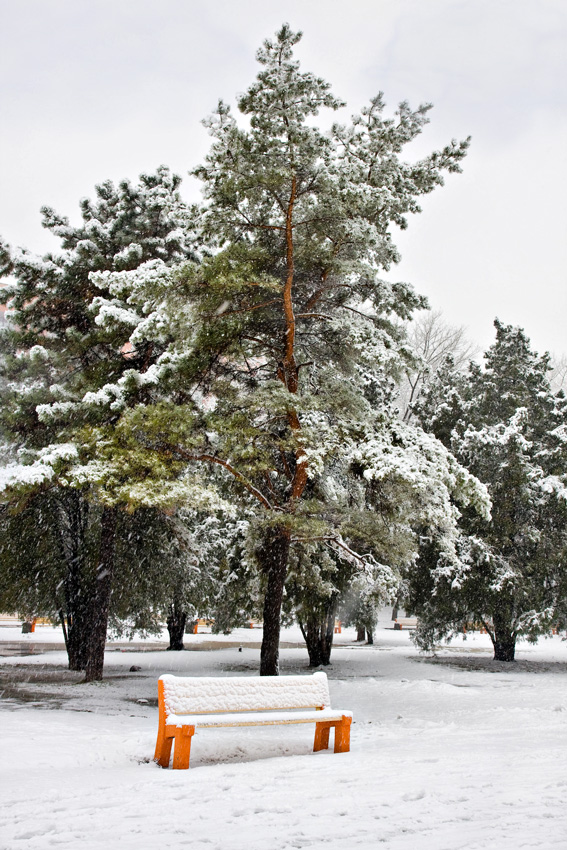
<point x="500" y="435"/>
<point x="154" y="274"/>
<point x="111" y="313"/>
<point x="42" y="470"/>
<point x="423" y="462"/>
<point x="55" y="410"/>
<point x="38" y="353"/>
<point x="141" y="300"/>
<point x="553" y="485"/>
<point x="188" y="490"/>
<point x="110" y="394"/>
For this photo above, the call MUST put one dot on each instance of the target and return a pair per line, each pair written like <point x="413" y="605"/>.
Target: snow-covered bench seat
<point x="187" y="704"/>
<point x="405" y="623"/>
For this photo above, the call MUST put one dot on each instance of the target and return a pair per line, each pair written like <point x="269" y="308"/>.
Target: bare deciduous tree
<point x="431" y="339"/>
<point x="558" y="372"/>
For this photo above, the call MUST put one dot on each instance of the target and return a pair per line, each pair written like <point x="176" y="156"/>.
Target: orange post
<point x="182" y="752"/>
<point x="322" y="736"/>
<point x="196" y="628"/>
<point x="163" y="750"/>
<point x="342" y="735"/>
<point x="164" y="741"/>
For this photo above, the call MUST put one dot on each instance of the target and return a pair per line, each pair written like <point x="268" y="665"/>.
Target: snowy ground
<point x="452" y="752"/>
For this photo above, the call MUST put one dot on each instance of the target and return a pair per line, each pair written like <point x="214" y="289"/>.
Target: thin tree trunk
<point x="396" y="607"/>
<point x="273" y="557"/>
<point x="78" y="630"/>
<point x="330" y="630"/>
<point x="64" y="628"/>
<point x="77" y="641"/>
<point x="101" y="596"/>
<point x="311" y="633"/>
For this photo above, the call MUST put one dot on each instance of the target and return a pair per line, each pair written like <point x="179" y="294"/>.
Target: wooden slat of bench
<point x="273" y="718"/>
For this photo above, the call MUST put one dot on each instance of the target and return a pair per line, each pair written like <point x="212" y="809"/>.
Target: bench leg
<point x="321" y="737"/>
<point x="182" y="751"/>
<point x="163" y="749"/>
<point x="342" y="735"/>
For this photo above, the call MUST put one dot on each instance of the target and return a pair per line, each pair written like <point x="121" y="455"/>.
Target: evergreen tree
<point x="311" y="215"/>
<point x="509" y="429"/>
<point x="174" y="568"/>
<point x="54" y="352"/>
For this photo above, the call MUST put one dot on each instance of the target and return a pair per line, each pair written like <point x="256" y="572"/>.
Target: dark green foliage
<point x="507" y="427"/>
<point x="54" y="353"/>
<point x="49" y="554"/>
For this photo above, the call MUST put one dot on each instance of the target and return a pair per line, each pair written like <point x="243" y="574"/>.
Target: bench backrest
<point x="184" y="695"/>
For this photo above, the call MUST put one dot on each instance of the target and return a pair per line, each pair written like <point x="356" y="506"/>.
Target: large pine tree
<point x="291" y="339"/>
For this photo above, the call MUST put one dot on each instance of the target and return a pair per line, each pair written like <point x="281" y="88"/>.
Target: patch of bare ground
<point x="26" y="685"/>
<point x="484" y="664"/>
<point x="50" y="687"/>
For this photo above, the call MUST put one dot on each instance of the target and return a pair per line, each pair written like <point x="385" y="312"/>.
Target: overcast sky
<point x="97" y="89"/>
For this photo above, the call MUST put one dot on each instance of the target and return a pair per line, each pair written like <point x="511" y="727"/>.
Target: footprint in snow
<point x="413" y="795"/>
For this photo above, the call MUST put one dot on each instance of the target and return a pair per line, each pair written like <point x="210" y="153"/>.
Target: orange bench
<point x="186" y="704"/>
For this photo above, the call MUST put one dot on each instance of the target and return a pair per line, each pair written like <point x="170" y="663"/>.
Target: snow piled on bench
<point x="219" y="694"/>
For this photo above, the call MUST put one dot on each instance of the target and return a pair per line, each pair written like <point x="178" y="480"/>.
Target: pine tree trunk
<point x="78" y="602"/>
<point x="369" y="637"/>
<point x="360" y="634"/>
<point x="73" y="518"/>
<point x="78" y="630"/>
<point x="318" y="633"/>
<point x="176" y="627"/>
<point x="329" y="633"/>
<point x="504" y="648"/>
<point x="396" y="607"/>
<point x="273" y="558"/>
<point x="101" y="596"/>
<point x="503" y="637"/>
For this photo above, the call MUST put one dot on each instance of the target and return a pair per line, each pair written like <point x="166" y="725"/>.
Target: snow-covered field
<point x="453" y="752"/>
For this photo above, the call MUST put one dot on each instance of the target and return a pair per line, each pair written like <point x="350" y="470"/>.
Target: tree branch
<point x="241" y="310"/>
<point x="238" y="475"/>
